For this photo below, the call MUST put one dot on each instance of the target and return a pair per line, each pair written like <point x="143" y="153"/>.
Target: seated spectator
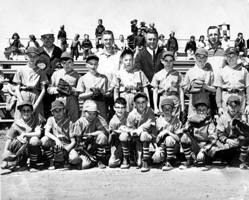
<point x="121" y="43"/>
<point x="139" y="42"/>
<point x="15" y="47"/>
<point x="190" y="48"/>
<point x="225" y="42"/>
<point x="172" y="44"/>
<point x="240" y="43"/>
<point x="201" y="43"/>
<point x="86" y="45"/>
<point x="32" y="42"/>
<point x="98" y="33"/>
<point x="134" y="27"/>
<point x="161" y="41"/>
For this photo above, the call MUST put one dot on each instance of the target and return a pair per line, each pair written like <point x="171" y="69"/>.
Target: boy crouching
<point x="59" y="139"/>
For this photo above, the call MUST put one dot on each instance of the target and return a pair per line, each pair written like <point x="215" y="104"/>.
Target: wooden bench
<point x="10" y="67"/>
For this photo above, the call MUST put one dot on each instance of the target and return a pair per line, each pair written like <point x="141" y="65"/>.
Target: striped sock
<point x="170" y="153"/>
<point x="243" y="153"/>
<point x="100" y="152"/>
<point x="187" y="152"/>
<point x="49" y="153"/>
<point x="146" y="154"/>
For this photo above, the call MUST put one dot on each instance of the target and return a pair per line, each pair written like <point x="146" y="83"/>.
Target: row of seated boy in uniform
<point x="60" y="143"/>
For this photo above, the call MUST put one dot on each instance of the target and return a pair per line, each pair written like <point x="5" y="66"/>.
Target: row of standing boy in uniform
<point x="129" y="92"/>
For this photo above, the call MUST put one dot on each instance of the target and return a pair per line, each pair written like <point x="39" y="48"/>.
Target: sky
<point x="185" y="17"/>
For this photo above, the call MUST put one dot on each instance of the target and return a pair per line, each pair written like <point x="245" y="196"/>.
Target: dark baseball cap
<point x="234" y="99"/>
<point x="66" y="56"/>
<point x="202" y="101"/>
<point x="167" y="53"/>
<point x="167" y="101"/>
<point x="140" y="94"/>
<point x="57" y="104"/>
<point x="32" y="50"/>
<point x="231" y="50"/>
<point x="92" y="57"/>
<point x="24" y="103"/>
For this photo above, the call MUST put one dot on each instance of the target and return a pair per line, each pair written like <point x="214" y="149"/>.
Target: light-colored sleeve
<point x="80" y="85"/>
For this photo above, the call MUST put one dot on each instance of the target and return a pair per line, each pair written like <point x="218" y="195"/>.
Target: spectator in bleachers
<point x="62" y="38"/>
<point x="172" y="44"/>
<point x="134" y="27"/>
<point x="98" y="33"/>
<point x="14" y="49"/>
<point x="121" y="43"/>
<point x="190" y="48"/>
<point x="152" y="26"/>
<point x="71" y="77"/>
<point x="201" y="43"/>
<point x="49" y="59"/>
<point x="198" y="81"/>
<point x="86" y="45"/>
<point x="75" y="45"/>
<point x="32" y="42"/>
<point x="143" y="27"/>
<point x="240" y="43"/>
<point x="139" y="42"/>
<point x="225" y="42"/>
<point x="31" y="81"/>
<point x="161" y="42"/>
<point x="130" y="41"/>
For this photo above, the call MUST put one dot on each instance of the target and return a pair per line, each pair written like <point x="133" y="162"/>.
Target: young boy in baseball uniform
<point x="199" y="138"/>
<point x="232" y="79"/>
<point x="141" y="122"/>
<point x="228" y="134"/>
<point x="129" y="80"/>
<point x="94" y="85"/>
<point x="166" y="84"/>
<point x="93" y="127"/>
<point x="198" y="81"/>
<point x="31" y="81"/>
<point x="118" y="136"/>
<point x="59" y="139"/>
<point x="68" y="90"/>
<point x="168" y="138"/>
<point x="23" y="140"/>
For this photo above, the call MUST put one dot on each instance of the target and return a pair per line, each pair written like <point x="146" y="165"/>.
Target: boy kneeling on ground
<point x="23" y="140"/>
<point x="59" y="139"/>
<point x="168" y="138"/>
<point x="199" y="138"/>
<point x="230" y="135"/>
<point x="92" y="134"/>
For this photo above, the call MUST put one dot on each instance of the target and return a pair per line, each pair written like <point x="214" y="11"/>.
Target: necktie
<point x="154" y="58"/>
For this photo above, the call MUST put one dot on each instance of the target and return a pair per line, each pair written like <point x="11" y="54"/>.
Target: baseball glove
<point x="63" y="87"/>
<point x="241" y="129"/>
<point x="16" y="150"/>
<point x="196" y="120"/>
<point x="196" y="86"/>
<point x="97" y="94"/>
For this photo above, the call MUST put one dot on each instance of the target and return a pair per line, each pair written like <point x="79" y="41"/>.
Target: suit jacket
<point x="144" y="62"/>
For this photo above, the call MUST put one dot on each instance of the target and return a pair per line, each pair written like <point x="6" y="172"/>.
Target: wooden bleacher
<point x="10" y="67"/>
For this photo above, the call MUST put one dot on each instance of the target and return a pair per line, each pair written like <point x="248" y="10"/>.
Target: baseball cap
<point x="46" y="32"/>
<point x="24" y="103"/>
<point x="231" y="50"/>
<point x="202" y="101"/>
<point x="92" y="56"/>
<point x="90" y="105"/>
<point x="57" y="104"/>
<point x="66" y="56"/>
<point x="32" y="50"/>
<point x="140" y="94"/>
<point x="167" y="101"/>
<point x="167" y="53"/>
<point x="234" y="99"/>
<point x="201" y="51"/>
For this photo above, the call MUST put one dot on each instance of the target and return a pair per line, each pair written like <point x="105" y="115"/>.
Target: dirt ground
<point x="216" y="184"/>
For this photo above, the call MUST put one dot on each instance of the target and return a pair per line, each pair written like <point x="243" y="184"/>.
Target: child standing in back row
<point x="129" y="81"/>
